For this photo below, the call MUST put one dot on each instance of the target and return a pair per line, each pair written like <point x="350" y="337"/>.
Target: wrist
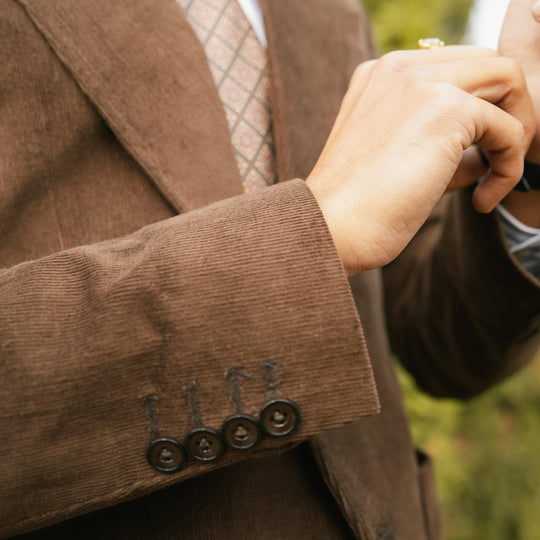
<point x="329" y="213"/>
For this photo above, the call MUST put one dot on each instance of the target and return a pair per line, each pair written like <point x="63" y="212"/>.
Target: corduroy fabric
<point x="156" y="94"/>
<point x="148" y="313"/>
<point x="496" y="329"/>
<point x="278" y="497"/>
<point x="99" y="140"/>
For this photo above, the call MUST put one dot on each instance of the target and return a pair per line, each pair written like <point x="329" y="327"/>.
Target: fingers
<point x="520" y="35"/>
<point x="520" y="40"/>
<point x="536" y="11"/>
<point x="478" y="71"/>
<point x="399" y="137"/>
<point x="498" y="80"/>
<point x="502" y="136"/>
<point x="437" y="55"/>
<point x="474" y="93"/>
<point x="504" y="130"/>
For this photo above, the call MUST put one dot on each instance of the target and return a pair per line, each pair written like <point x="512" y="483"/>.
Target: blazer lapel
<point x="313" y="47"/>
<point x="144" y="69"/>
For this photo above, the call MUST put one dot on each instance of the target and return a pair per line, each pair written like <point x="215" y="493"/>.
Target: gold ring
<point x="430" y="43"/>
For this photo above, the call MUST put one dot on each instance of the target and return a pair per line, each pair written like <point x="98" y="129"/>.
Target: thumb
<point x="536" y="10"/>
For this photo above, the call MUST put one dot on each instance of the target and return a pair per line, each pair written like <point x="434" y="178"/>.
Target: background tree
<point x="400" y="23"/>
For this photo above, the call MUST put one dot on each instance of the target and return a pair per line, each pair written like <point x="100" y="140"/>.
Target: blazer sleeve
<point x="116" y="354"/>
<point x="463" y="314"/>
<point x="108" y="347"/>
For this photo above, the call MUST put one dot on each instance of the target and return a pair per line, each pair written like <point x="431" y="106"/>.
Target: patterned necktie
<point x="239" y="67"/>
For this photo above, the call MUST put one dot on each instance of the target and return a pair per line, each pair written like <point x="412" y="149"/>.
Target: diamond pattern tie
<point x="239" y="67"/>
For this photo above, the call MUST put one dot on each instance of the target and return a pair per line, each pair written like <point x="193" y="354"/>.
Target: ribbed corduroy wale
<point x="131" y="265"/>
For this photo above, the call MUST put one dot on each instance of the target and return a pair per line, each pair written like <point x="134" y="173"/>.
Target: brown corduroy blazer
<point x="133" y="268"/>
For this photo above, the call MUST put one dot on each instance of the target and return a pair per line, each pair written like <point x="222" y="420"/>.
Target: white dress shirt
<point x="253" y="13"/>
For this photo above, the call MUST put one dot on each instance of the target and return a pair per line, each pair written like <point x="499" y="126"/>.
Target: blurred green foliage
<point x="399" y="24"/>
<point x="487" y="450"/>
<point x="487" y="456"/>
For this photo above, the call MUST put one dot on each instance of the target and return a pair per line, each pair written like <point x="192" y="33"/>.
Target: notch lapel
<point x="144" y="69"/>
<point x="314" y="46"/>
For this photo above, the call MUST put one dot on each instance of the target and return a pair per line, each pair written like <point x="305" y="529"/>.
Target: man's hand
<point x="400" y="135"/>
<point x="520" y="39"/>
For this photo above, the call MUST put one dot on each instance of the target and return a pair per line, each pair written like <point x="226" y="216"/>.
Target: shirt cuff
<point x="523" y="241"/>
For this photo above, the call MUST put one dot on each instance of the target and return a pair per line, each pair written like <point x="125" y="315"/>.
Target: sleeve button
<point x="279" y="417"/>
<point x="166" y="455"/>
<point x="241" y="432"/>
<point x="204" y="444"/>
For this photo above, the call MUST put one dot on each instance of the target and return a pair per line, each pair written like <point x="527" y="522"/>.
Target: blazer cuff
<point x="188" y="322"/>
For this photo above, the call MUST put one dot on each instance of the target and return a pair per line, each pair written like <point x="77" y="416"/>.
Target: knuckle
<point x="512" y="67"/>
<point x="514" y="136"/>
<point x="361" y="71"/>
<point x="449" y="97"/>
<point x="511" y="74"/>
<point x="480" y="52"/>
<point x="448" y="111"/>
<point x="394" y="60"/>
<point x="486" y="51"/>
<point x="519" y="130"/>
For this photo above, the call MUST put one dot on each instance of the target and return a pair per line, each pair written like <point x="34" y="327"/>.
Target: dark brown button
<point x="241" y="432"/>
<point x="279" y="417"/>
<point x="166" y="455"/>
<point x="204" y="444"/>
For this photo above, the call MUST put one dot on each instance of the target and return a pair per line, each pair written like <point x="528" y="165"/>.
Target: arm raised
<point x="399" y="139"/>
